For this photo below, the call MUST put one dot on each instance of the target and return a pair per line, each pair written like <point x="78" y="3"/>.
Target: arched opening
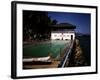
<point x="71" y="37"/>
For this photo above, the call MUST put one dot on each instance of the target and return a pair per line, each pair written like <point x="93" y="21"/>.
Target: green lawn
<point x="53" y="47"/>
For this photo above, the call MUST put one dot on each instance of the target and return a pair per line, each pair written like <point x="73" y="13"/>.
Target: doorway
<point x="71" y="37"/>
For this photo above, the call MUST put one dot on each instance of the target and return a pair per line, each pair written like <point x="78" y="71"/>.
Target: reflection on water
<point x="52" y="47"/>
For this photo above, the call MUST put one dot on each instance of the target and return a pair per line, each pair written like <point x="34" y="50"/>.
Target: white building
<point x="63" y="31"/>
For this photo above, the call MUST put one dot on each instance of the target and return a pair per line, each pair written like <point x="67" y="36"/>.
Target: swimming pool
<point x="53" y="47"/>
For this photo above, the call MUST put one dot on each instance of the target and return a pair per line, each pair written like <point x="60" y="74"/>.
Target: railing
<point x="66" y="57"/>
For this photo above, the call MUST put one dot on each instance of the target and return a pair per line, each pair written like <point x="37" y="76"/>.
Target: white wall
<point x="56" y="36"/>
<point x="68" y="36"/>
<point x="60" y="36"/>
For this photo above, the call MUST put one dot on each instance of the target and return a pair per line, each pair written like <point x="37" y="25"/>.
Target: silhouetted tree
<point x="54" y="22"/>
<point x="35" y="24"/>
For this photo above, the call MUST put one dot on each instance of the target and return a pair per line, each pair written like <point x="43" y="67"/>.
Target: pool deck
<point x="54" y="64"/>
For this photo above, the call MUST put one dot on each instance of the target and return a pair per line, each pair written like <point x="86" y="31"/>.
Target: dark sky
<point x="80" y="20"/>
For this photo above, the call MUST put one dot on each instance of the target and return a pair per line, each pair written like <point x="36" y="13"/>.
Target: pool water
<point x="53" y="47"/>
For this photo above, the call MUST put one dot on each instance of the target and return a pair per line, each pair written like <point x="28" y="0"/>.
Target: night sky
<point x="80" y="20"/>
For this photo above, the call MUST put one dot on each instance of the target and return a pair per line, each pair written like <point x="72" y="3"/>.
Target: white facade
<point x="62" y="35"/>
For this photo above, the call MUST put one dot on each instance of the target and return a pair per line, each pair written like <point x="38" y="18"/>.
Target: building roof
<point x="63" y="26"/>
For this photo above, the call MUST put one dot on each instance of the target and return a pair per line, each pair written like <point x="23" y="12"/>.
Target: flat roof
<point x="63" y="26"/>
